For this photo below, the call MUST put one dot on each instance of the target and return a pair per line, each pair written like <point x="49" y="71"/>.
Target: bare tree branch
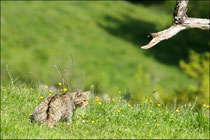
<point x="198" y="23"/>
<point x="180" y="22"/>
<point x="180" y="11"/>
<point x="163" y="35"/>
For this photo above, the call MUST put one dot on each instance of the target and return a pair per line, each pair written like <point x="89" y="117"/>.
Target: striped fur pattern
<point x="58" y="106"/>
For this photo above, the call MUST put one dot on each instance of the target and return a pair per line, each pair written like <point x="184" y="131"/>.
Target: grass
<point x="92" y="45"/>
<point x="110" y="119"/>
<point x="36" y="35"/>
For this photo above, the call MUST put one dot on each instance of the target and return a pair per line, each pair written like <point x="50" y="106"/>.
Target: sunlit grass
<point x="103" y="118"/>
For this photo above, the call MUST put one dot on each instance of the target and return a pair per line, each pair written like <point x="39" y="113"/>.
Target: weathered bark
<point x="180" y="11"/>
<point x="180" y="22"/>
<point x="198" y="23"/>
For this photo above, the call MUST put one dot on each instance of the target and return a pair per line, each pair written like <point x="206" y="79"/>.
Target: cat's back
<point x="40" y="112"/>
<point x="61" y="101"/>
<point x="64" y="99"/>
<point x="57" y="102"/>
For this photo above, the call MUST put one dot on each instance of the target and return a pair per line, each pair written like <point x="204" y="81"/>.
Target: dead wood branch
<point x="180" y="22"/>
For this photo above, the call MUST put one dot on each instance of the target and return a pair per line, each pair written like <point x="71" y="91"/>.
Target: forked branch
<point x="180" y="22"/>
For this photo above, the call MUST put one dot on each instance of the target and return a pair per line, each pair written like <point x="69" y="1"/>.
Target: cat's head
<point x="81" y="98"/>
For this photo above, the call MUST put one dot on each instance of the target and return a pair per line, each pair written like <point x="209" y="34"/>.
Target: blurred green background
<point x="99" y="43"/>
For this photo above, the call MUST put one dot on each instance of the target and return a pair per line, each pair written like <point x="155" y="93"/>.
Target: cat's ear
<point x="78" y="94"/>
<point x="88" y="93"/>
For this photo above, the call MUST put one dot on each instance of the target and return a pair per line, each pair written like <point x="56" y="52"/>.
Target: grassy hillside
<point x="107" y="118"/>
<point x="98" y="43"/>
<point x="90" y="42"/>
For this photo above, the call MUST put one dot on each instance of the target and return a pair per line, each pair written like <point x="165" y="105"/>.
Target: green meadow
<point x="105" y="118"/>
<point x="89" y="44"/>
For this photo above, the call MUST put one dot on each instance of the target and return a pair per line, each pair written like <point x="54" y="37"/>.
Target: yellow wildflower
<point x="99" y="103"/>
<point x="158" y="124"/>
<point x="59" y="84"/>
<point x="50" y="94"/>
<point x="50" y="91"/>
<point x="31" y="89"/>
<point x="65" y="89"/>
<point x="36" y="100"/>
<point x="41" y="97"/>
<point x="4" y="89"/>
<point x="119" y="92"/>
<point x="129" y="105"/>
<point x="178" y="110"/>
<point x="6" y="115"/>
<point x="26" y="89"/>
<point x="118" y="110"/>
<point x="92" y="122"/>
<point x="207" y="106"/>
<point x="150" y="111"/>
<point x="204" y="105"/>
<point x="46" y="86"/>
<point x="97" y="100"/>
<point x="158" y="104"/>
<point x="159" y="111"/>
<point x="146" y="100"/>
<point x="113" y="100"/>
<point x="109" y="99"/>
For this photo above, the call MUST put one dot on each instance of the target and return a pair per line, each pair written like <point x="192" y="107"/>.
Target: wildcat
<point x="54" y="107"/>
